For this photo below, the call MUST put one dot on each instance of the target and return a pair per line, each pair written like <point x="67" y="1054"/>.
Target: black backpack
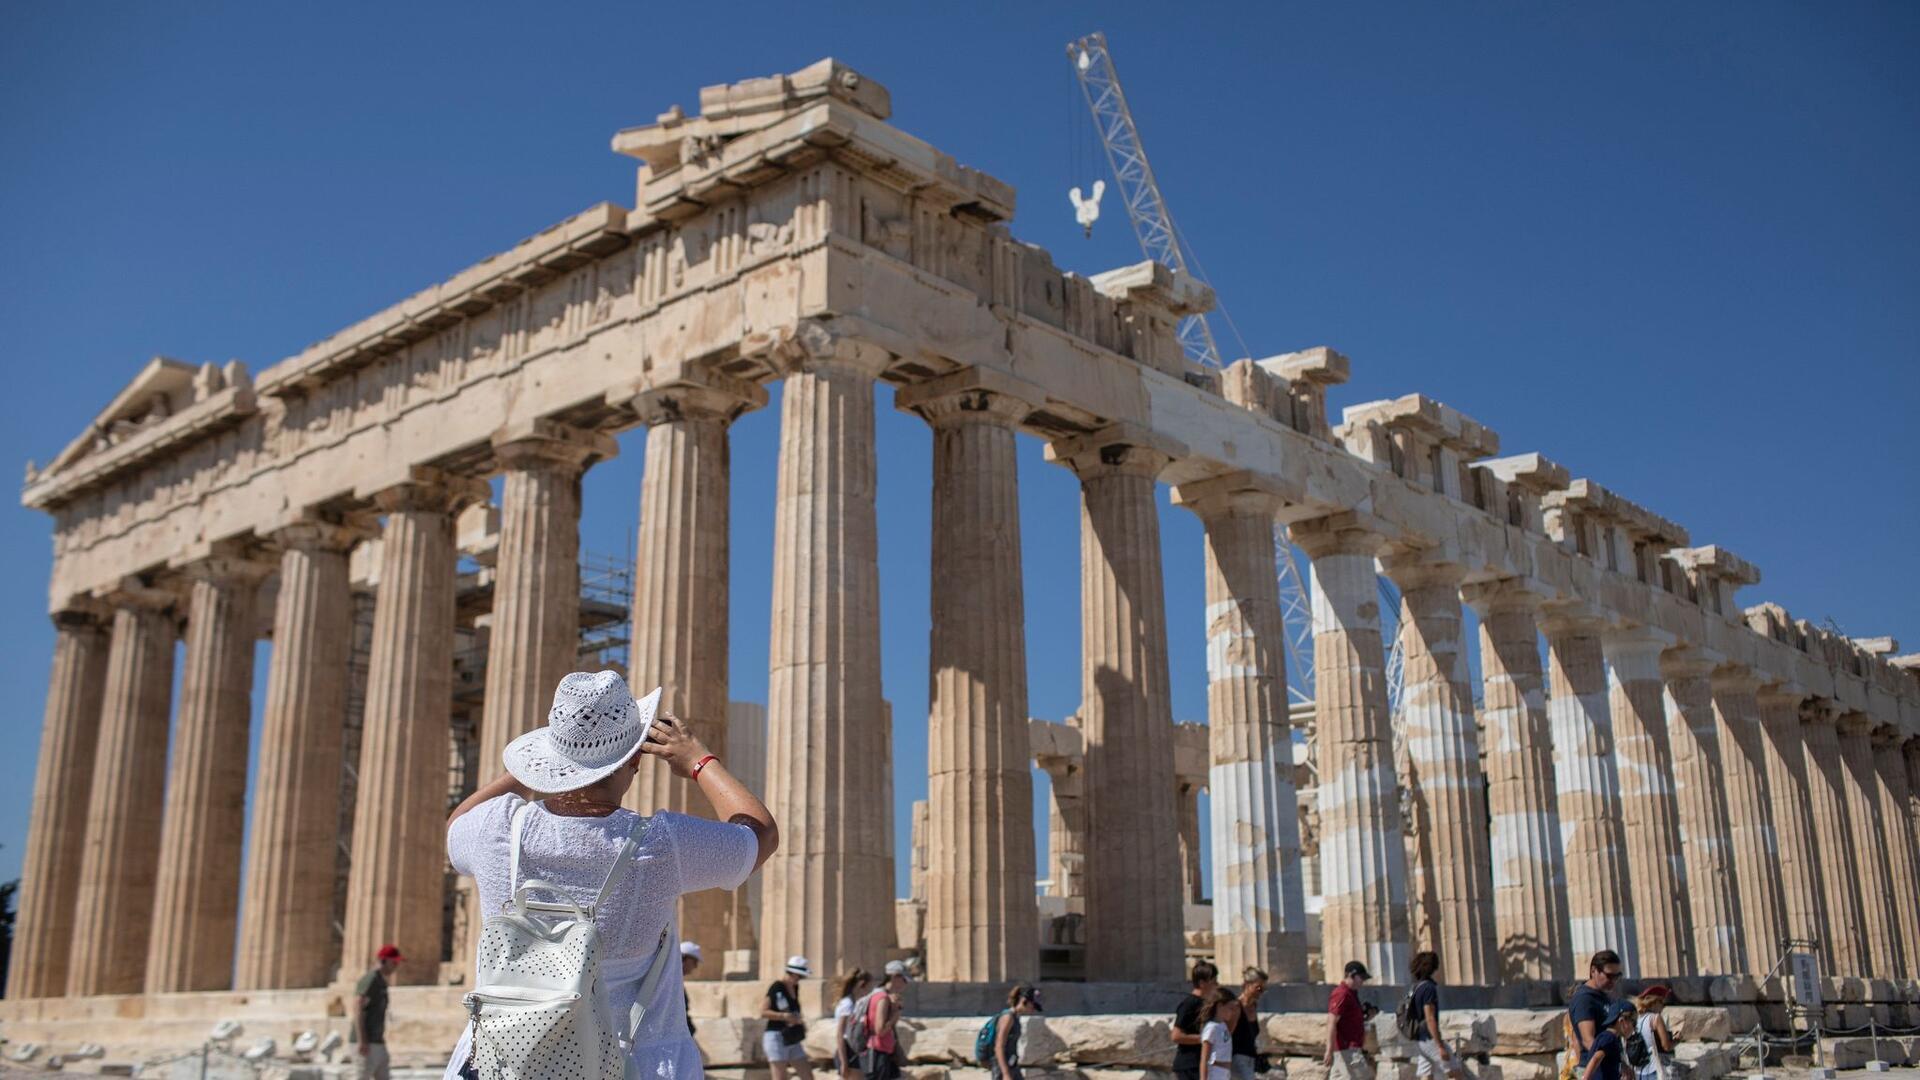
<point x="1639" y="1054"/>
<point x="1405" y="1020"/>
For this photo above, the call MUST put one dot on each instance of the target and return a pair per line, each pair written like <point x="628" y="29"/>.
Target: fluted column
<point x="1797" y="862"/>
<point x="1862" y="784"/>
<point x="1700" y="794"/>
<point x="1756" y="845"/>
<point x="982" y="922"/>
<point x="197" y="899"/>
<point x="1846" y="947"/>
<point x="1529" y="881"/>
<point x="1648" y="807"/>
<point x="57" y="831"/>
<point x="1186" y="806"/>
<point x="1363" y="862"/>
<point x="395" y="887"/>
<point x="286" y="914"/>
<point x="1134" y="913"/>
<point x="1903" y="863"/>
<point x="1912" y="751"/>
<point x="1066" y="823"/>
<point x="1259" y="898"/>
<point x="1600" y="912"/>
<point x="828" y="896"/>
<point x="680" y="600"/>
<point x="1453" y="903"/>
<point x="114" y="909"/>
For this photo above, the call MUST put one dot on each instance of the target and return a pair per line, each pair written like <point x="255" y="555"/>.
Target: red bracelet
<point x="701" y="764"/>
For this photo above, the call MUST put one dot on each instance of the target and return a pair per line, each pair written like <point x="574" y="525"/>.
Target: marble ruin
<point x="1673" y="775"/>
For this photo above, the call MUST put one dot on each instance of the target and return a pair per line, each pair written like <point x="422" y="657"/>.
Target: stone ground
<point x="343" y="1073"/>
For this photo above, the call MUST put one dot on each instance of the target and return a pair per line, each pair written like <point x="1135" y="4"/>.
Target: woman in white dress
<point x="575" y="771"/>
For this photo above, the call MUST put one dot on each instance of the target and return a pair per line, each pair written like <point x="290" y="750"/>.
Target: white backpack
<point x="539" y="1005"/>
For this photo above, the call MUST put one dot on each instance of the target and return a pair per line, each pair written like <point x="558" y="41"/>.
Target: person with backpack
<point x="1588" y="1007"/>
<point x="998" y="1044"/>
<point x="876" y="1026"/>
<point x="853" y="991"/>
<point x="1218" y="1017"/>
<point x="1609" y="1046"/>
<point x="785" y="1041"/>
<point x="1346" y="1056"/>
<point x="1419" y="1020"/>
<point x="1650" y="1047"/>
<point x="1246" y="1034"/>
<point x="1185" y="1033"/>
<point x="549" y="843"/>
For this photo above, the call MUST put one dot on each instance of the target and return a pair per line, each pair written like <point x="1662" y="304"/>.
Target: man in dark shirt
<point x="1588" y="1009"/>
<point x="1346" y="1057"/>
<point x="370" y="1014"/>
<point x="1186" y="1021"/>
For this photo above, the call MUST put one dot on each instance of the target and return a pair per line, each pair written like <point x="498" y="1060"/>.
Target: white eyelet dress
<point x="676" y="854"/>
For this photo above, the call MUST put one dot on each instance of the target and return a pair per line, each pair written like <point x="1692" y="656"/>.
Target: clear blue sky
<point x="1676" y="248"/>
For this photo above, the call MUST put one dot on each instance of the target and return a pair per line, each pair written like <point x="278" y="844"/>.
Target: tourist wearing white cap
<point x="784" y="1041"/>
<point x="572" y="774"/>
<point x="881" y="1061"/>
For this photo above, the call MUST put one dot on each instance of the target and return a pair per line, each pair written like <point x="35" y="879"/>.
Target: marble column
<point x="1066" y="827"/>
<point x="1756" y="846"/>
<point x="1699" y="785"/>
<point x="57" y="831"/>
<point x="982" y="921"/>
<point x="1912" y="751"/>
<point x="197" y="897"/>
<point x="828" y="895"/>
<point x="1797" y="856"/>
<point x="1866" y="837"/>
<point x="1135" y="920"/>
<point x="395" y="888"/>
<point x="1363" y="867"/>
<point x="1903" y="863"/>
<point x="286" y="914"/>
<point x="114" y="906"/>
<point x="1649" y="809"/>
<point x="1453" y="904"/>
<point x="1186" y="804"/>
<point x="680" y="600"/>
<point x="1845" y="950"/>
<point x="1600" y="911"/>
<point x="1529" y="881"/>
<point x="1259" y="899"/>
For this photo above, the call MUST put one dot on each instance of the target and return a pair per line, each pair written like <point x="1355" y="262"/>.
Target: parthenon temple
<point x="1650" y="762"/>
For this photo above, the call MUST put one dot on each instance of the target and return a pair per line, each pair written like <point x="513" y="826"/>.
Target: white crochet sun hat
<point x="595" y="726"/>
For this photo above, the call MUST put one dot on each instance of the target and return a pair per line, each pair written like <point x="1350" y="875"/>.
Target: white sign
<point x="1805" y="973"/>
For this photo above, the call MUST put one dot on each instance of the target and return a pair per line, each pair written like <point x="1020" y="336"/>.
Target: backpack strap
<point x="513" y="844"/>
<point x="627" y="849"/>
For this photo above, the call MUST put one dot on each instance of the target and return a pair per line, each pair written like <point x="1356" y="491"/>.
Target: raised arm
<point x="492" y="789"/>
<point x="730" y="799"/>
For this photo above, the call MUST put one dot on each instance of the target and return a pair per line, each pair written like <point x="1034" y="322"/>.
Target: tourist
<point x="1587" y="1009"/>
<point x="1246" y="1034"/>
<point x="571" y="775"/>
<point x="1609" y="1044"/>
<point x="784" y="1041"/>
<point x="689" y="960"/>
<point x="1218" y="1017"/>
<point x="1346" y="1056"/>
<point x="1431" y="1056"/>
<point x="1186" y="1021"/>
<point x="370" y="1013"/>
<point x="853" y="993"/>
<point x="1651" y="1026"/>
<point x="1022" y="1000"/>
<point x="881" y="1060"/>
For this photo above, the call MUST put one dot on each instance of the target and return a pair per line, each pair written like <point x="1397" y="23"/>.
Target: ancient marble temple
<point x="789" y="233"/>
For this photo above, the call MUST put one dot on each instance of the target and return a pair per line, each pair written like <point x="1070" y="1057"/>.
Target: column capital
<point x="82" y="613"/>
<point x="1118" y="449"/>
<point x="312" y="531"/>
<point x="1559" y="617"/>
<point x="227" y="562"/>
<point x="814" y="345"/>
<point x="1687" y="662"/>
<point x="1733" y="678"/>
<point x="1419" y="569"/>
<point x="1635" y="637"/>
<point x="430" y="489"/>
<point x="1348" y="533"/>
<point x="971" y="396"/>
<point x="1234" y="494"/>
<point x="1854" y="723"/>
<point x="1773" y="695"/>
<point x="1820" y="711"/>
<point x="1504" y="595"/>
<point x="549" y="444"/>
<point x="136" y="594"/>
<point x="1885" y="735"/>
<point x="692" y="392"/>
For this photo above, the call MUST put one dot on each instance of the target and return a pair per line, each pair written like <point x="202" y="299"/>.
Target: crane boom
<point x="1100" y="82"/>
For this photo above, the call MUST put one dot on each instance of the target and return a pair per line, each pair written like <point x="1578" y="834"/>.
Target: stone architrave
<point x="1903" y="863"/>
<point x="114" y="906"/>
<point x="1259" y="897"/>
<point x="286" y="913"/>
<point x="57" y="831"/>
<point x="680" y="599"/>
<point x="1700" y="794"/>
<point x="1797" y="862"/>
<point x="1135" y="919"/>
<point x="1600" y="912"/>
<point x="1649" y="808"/>
<point x="1868" y="840"/>
<point x="1844" y="950"/>
<point x="982" y="922"/>
<point x="197" y="897"/>
<point x="829" y="898"/>
<point x="1756" y="845"/>
<point x="1529" y="883"/>
<point x="1363" y="862"/>
<point x="398" y="876"/>
<point x="1453" y="900"/>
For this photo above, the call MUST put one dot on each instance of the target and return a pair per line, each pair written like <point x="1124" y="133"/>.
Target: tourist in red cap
<point x="370" y="1013"/>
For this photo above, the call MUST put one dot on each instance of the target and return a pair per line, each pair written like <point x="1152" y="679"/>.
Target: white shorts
<point x="776" y="1048"/>
<point x="1350" y="1065"/>
<point x="1426" y="1060"/>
